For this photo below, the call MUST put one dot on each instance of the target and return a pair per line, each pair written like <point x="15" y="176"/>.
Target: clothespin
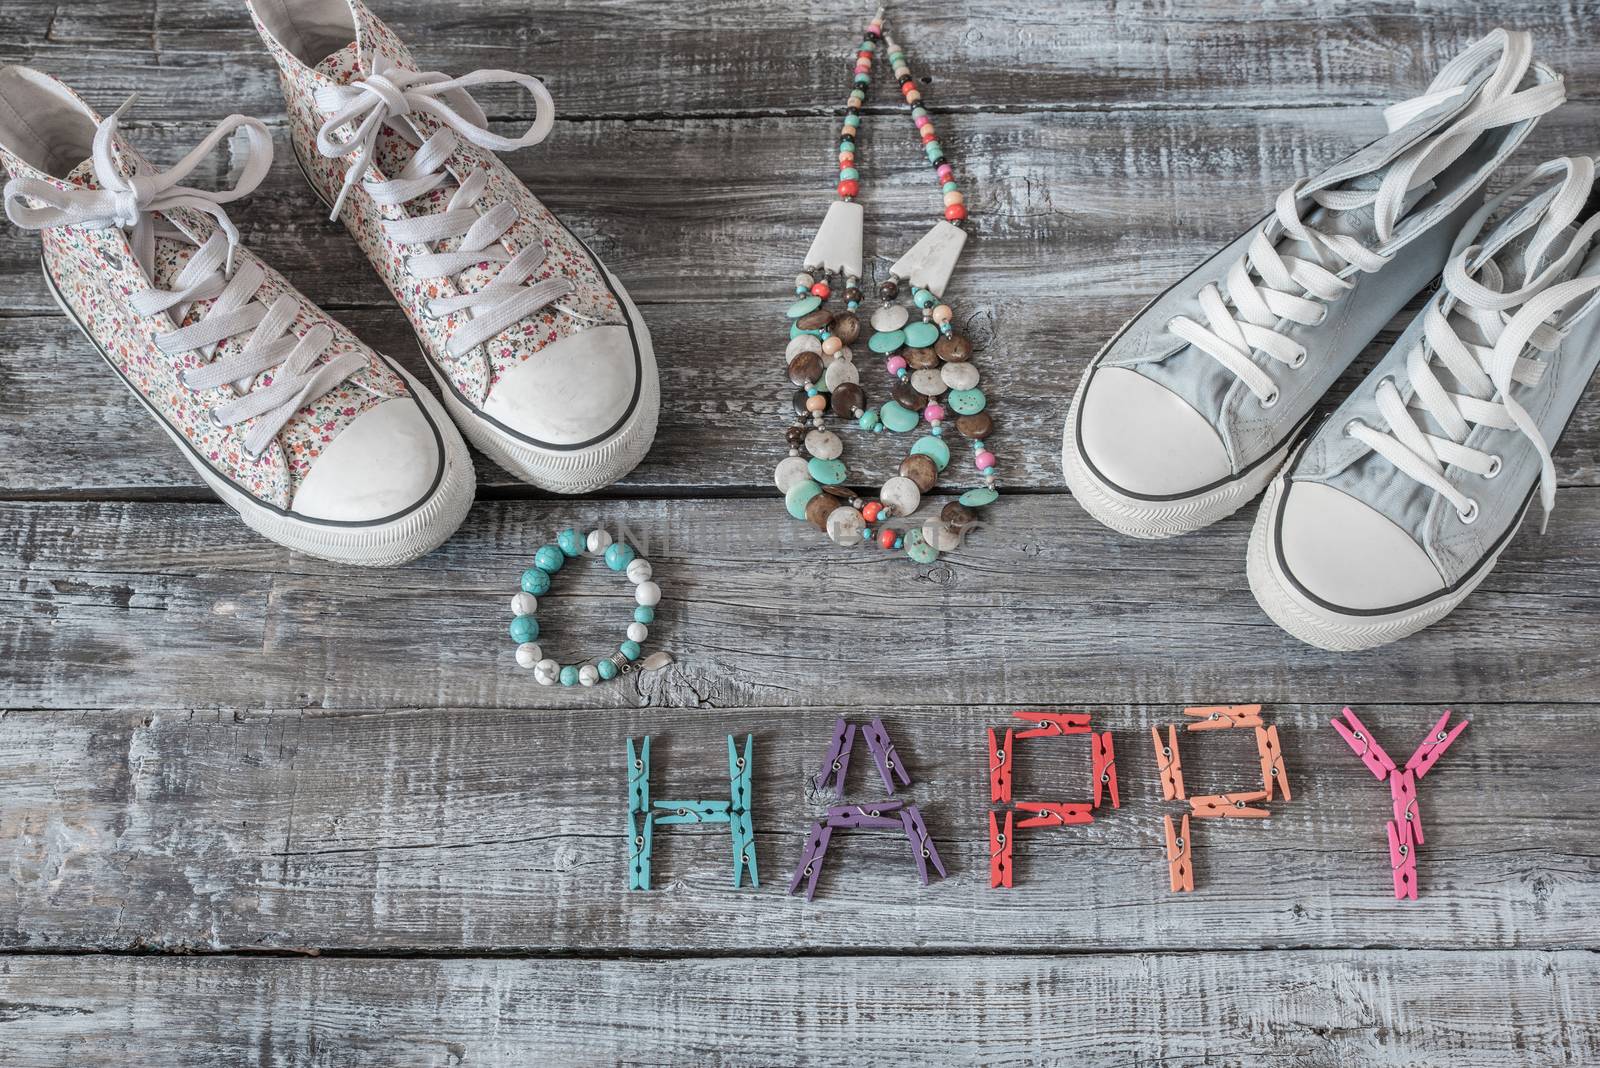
<point x="1403" y="859"/>
<point x="1048" y="814"/>
<point x="1403" y="790"/>
<point x="811" y="860"/>
<point x="1167" y="760"/>
<point x="741" y="824"/>
<point x="999" y="851"/>
<point x="1223" y="717"/>
<point x="1433" y="747"/>
<point x="739" y="772"/>
<point x="742" y="828"/>
<point x="1105" y="769"/>
<point x="1229" y="806"/>
<point x="1000" y="768"/>
<point x="921" y="842"/>
<point x="1274" y="776"/>
<point x="639" y="776"/>
<point x="883" y="754"/>
<point x="1050" y="724"/>
<point x="1179" y="872"/>
<point x="639" y="821"/>
<point x="836" y="761"/>
<point x="878" y="814"/>
<point x="668" y="812"/>
<point x="1357" y="737"/>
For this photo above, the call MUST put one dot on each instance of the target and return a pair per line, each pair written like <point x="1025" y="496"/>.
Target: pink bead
<point x="922" y="120"/>
<point x="896" y="364"/>
<point x="945" y="172"/>
<point x="933" y="413"/>
<point x="983" y="459"/>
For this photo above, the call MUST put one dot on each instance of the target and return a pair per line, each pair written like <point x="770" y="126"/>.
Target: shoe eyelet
<point x="1270" y="399"/>
<point x="1495" y="464"/>
<point x="1351" y="425"/>
<point x="1300" y="360"/>
<point x="1470" y="516"/>
<point x="212" y="416"/>
<point x="1321" y="318"/>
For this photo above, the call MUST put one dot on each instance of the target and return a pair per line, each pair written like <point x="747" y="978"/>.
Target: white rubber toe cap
<point x="1348" y="556"/>
<point x="1145" y="440"/>
<point x="577" y="391"/>
<point x="382" y="464"/>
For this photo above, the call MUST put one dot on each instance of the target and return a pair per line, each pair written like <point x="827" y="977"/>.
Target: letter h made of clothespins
<point x="644" y="815"/>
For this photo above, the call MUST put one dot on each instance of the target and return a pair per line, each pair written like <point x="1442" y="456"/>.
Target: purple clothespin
<point x="811" y="860"/>
<point x="837" y="759"/>
<point x="921" y="844"/>
<point x="883" y="754"/>
<point x="878" y="814"/>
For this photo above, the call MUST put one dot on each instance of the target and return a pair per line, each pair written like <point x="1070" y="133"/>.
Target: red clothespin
<point x="1274" y="776"/>
<point x="1179" y="872"/>
<point x="999" y="852"/>
<point x="1050" y="724"/>
<point x="1433" y="747"/>
<point x="1105" y="769"/>
<point x="1403" y="789"/>
<point x="1170" y="765"/>
<point x="1000" y="768"/>
<point x="1403" y="859"/>
<point x="1222" y="717"/>
<point x="1229" y="806"/>
<point x="1049" y="814"/>
<point x="1357" y="737"/>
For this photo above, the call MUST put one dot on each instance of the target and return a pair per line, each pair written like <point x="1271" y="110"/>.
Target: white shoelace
<point x="1486" y="372"/>
<point x="388" y="96"/>
<point x="1298" y="290"/>
<point x="133" y="204"/>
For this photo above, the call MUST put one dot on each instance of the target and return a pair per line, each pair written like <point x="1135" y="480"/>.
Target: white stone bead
<point x="649" y="594"/>
<point x="599" y="541"/>
<point x="529" y="654"/>
<point x="901" y="494"/>
<point x="639" y="570"/>
<point x="524" y="604"/>
<point x="588" y="674"/>
<point x="792" y="471"/>
<point x="840" y="373"/>
<point x="940" y="536"/>
<point x="959" y="375"/>
<point x="927" y="382"/>
<point x="546" y="672"/>
<point x="845" y="525"/>
<point x="802" y="343"/>
<point x="638" y="632"/>
<point x="890" y="317"/>
<point x="824" y="444"/>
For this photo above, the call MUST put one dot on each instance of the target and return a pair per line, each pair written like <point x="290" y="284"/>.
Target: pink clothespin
<point x="1403" y="859"/>
<point x="1434" y="745"/>
<point x="1360" y="739"/>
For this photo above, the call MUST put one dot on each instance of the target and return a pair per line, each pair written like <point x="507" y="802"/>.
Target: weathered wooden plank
<point x="1280" y="1009"/>
<point x="660" y="58"/>
<point x="404" y="830"/>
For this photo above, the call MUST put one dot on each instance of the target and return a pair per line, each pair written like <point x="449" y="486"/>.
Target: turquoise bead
<point x="619" y="555"/>
<point x="868" y="420"/>
<point x="571" y="542"/>
<point x="799" y="495"/>
<point x="630" y="649"/>
<point x="536" y="582"/>
<point x="898" y="417"/>
<point x="549" y="558"/>
<point x="921" y="335"/>
<point x="977" y="498"/>
<point x="524" y="629"/>
<point x="795" y="331"/>
<point x="608" y="668"/>
<point x="848" y="173"/>
<point x="934" y="449"/>
<point x="949" y="187"/>
<point x="569" y="676"/>
<point x="924" y="299"/>
<point x="887" y="341"/>
<point x="644" y="614"/>
<point x="967" y="401"/>
<point x="804" y="306"/>
<point x="918" y="548"/>
<point x="827" y="472"/>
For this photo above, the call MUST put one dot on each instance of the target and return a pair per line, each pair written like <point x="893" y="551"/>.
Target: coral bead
<point x="831" y="345"/>
<point x="886" y="538"/>
<point x="871" y="510"/>
<point x="821" y="290"/>
<point x="817" y="403"/>
<point x="851" y="188"/>
<point x="943" y="314"/>
<point x="955" y="212"/>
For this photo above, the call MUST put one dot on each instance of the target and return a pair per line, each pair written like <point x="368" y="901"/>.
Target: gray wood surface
<point x="259" y="809"/>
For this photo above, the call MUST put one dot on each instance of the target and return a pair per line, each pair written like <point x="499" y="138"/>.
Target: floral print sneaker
<point x="318" y="443"/>
<point x="541" y="357"/>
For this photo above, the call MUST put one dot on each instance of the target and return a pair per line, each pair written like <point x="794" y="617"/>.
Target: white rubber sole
<point x="384" y="544"/>
<point x="1325" y="628"/>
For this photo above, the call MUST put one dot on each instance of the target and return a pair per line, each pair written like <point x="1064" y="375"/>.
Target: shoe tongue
<point x="83" y="175"/>
<point x="343" y="65"/>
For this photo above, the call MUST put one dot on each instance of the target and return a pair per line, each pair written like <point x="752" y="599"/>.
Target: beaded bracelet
<point x="619" y="556"/>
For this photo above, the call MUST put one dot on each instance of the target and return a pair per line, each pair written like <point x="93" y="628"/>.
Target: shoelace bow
<point x="1486" y="373"/>
<point x="133" y="202"/>
<point x="1266" y="286"/>
<point x="389" y="96"/>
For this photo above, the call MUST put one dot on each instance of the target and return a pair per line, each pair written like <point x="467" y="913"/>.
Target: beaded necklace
<point x="929" y="364"/>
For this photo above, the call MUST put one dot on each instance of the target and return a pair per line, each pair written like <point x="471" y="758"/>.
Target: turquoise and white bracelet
<point x="619" y="556"/>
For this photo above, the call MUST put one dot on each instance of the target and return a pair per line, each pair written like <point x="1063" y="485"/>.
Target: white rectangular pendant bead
<point x="931" y="261"/>
<point x="838" y="243"/>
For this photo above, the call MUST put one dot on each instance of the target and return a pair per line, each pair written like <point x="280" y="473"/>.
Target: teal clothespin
<point x="691" y="812"/>
<point x="740" y="824"/>
<point x="639" y="818"/>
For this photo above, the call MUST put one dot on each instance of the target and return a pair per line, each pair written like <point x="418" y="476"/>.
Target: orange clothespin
<point x="1229" y="806"/>
<point x="1049" y="814"/>
<point x="1222" y="717"/>
<point x="1050" y="724"/>
<point x="1179" y="873"/>
<point x="1170" y="765"/>
<point x="999" y="852"/>
<point x="1105" y="769"/>
<point x="1000" y="768"/>
<point x="1274" y="776"/>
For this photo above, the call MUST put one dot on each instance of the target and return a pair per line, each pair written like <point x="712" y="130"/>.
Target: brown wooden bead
<point x="841" y="492"/>
<point x="815" y="320"/>
<point x="976" y="427"/>
<point x="795" y="435"/>
<point x="908" y="397"/>
<point x="819" y="508"/>
<point x="921" y="470"/>
<point x="805" y="369"/>
<point x="953" y="349"/>
<point x="921" y="359"/>
<point x="800" y="398"/>
<point x="957" y="516"/>
<point x="849" y="401"/>
<point x="847" y="328"/>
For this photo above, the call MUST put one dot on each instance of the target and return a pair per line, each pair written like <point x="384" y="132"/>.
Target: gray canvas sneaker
<point x="1400" y="503"/>
<point x="1191" y="408"/>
